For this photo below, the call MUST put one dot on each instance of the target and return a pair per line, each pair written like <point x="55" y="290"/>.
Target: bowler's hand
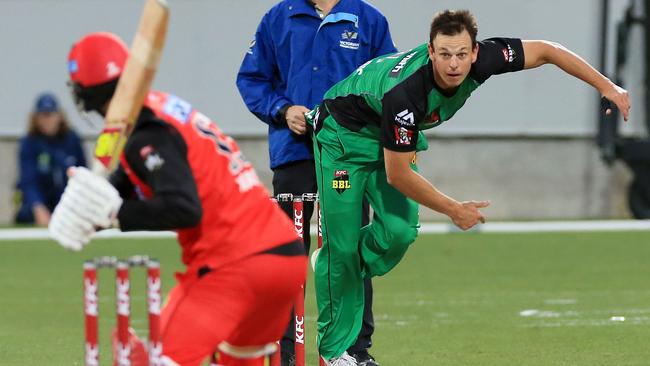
<point x="467" y="214"/>
<point x="295" y="117"/>
<point x="620" y="97"/>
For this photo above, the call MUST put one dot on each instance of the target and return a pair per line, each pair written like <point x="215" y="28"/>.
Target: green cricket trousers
<point x="349" y="166"/>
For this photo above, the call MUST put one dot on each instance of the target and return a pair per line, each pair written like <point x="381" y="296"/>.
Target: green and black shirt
<point x="398" y="94"/>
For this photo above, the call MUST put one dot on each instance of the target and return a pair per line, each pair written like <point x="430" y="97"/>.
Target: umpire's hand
<point x="295" y="117"/>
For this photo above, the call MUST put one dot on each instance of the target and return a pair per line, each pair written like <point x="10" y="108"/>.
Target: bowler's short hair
<point x="453" y="22"/>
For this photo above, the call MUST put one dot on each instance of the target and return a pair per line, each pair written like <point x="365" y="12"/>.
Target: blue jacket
<point x="296" y="57"/>
<point x="43" y="162"/>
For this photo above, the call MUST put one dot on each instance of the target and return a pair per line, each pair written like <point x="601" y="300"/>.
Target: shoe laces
<point x="365" y="359"/>
<point x="344" y="360"/>
<point x="363" y="356"/>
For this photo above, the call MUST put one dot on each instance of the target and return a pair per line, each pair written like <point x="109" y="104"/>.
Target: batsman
<point x="244" y="262"/>
<point x="366" y="135"/>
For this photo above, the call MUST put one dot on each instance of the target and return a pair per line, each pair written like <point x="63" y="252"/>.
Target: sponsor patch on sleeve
<point x="403" y="137"/>
<point x="178" y="109"/>
<point x="152" y="160"/>
<point x="145" y="151"/>
<point x="405" y="118"/>
<point x="508" y="54"/>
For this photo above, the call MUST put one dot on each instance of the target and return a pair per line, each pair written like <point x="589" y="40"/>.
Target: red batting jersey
<point x="238" y="217"/>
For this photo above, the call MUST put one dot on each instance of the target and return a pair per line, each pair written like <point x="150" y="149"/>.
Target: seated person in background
<point x="48" y="150"/>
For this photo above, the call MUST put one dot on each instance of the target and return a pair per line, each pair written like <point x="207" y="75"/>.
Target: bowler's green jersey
<point x="398" y="93"/>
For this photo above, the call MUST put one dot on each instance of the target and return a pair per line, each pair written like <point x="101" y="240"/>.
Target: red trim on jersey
<point x="142" y="186"/>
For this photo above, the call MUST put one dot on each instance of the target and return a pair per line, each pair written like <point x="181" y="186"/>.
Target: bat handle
<point x="99" y="168"/>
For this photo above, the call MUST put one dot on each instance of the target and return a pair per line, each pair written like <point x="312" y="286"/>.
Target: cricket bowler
<point x="367" y="131"/>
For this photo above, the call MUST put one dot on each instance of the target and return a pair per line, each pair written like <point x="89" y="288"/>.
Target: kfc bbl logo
<point x="403" y="136"/>
<point x="341" y="181"/>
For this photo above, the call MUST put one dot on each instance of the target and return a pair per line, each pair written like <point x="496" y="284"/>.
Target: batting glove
<point x="93" y="197"/>
<point x="89" y="202"/>
<point x="68" y="228"/>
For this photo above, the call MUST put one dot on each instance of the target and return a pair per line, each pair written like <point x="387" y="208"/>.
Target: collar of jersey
<point x="432" y="79"/>
<point x="305" y="7"/>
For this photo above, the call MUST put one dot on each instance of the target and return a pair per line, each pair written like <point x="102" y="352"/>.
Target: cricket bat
<point x="133" y="86"/>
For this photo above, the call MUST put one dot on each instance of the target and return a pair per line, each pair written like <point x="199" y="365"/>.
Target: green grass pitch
<point x="456" y="299"/>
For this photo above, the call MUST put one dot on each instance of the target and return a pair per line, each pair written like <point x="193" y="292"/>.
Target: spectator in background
<point x="48" y="150"/>
<point x="301" y="48"/>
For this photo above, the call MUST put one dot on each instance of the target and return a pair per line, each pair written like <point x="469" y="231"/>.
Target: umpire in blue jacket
<point x="301" y="48"/>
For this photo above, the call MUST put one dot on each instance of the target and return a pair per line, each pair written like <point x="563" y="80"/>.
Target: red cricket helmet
<point x="95" y="63"/>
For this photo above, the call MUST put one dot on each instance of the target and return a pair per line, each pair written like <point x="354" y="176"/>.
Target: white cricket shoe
<point x="314" y="257"/>
<point x="344" y="360"/>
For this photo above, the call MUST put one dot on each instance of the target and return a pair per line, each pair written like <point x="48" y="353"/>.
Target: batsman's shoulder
<point x="147" y="120"/>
